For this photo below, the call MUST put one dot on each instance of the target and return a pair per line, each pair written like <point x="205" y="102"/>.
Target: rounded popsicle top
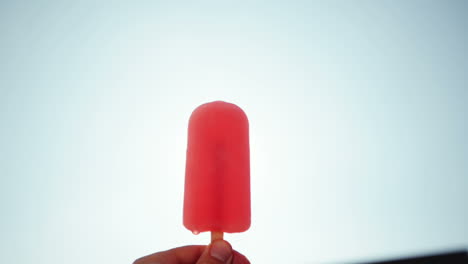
<point x="217" y="176"/>
<point x="220" y="108"/>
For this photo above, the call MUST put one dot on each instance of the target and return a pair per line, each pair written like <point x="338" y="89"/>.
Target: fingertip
<point x="221" y="250"/>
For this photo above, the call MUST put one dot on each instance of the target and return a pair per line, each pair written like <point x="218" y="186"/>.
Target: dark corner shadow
<point x="453" y="257"/>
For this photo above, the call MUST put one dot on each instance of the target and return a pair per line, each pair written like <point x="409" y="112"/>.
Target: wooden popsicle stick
<point x="216" y="236"/>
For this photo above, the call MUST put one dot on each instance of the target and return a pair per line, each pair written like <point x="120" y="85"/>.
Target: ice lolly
<point x="217" y="175"/>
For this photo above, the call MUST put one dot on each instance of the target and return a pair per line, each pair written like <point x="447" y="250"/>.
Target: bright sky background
<point x="358" y="114"/>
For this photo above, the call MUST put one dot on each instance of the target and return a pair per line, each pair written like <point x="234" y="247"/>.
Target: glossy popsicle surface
<point x="217" y="176"/>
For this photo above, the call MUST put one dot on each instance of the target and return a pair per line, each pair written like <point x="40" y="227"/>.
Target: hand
<point x="218" y="252"/>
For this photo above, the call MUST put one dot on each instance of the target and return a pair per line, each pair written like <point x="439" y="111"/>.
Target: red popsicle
<point x="217" y="175"/>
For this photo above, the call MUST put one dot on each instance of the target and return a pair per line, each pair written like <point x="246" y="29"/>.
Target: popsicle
<point x="217" y="175"/>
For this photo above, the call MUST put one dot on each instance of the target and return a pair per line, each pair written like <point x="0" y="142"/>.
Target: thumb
<point x="219" y="252"/>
